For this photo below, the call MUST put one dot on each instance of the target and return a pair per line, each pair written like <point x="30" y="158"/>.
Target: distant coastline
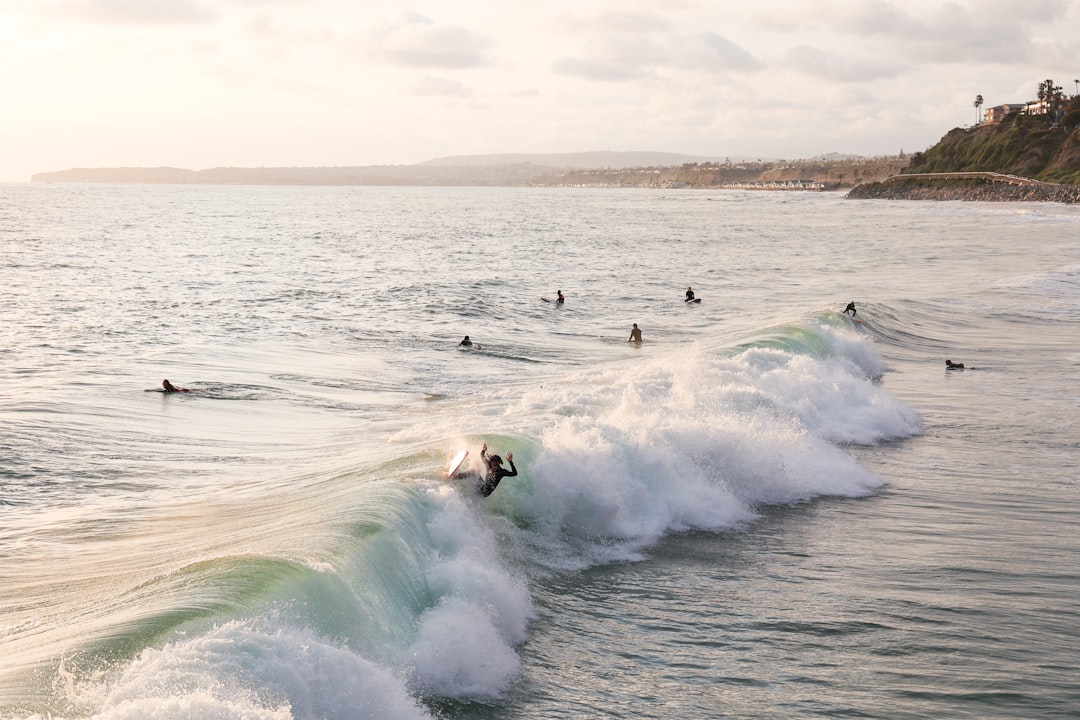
<point x="599" y="169"/>
<point x="1037" y="145"/>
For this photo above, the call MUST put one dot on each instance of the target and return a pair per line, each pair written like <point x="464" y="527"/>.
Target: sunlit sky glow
<point x="207" y="83"/>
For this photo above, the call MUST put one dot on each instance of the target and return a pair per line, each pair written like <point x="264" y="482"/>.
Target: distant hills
<point x="599" y="169"/>
<point x="474" y="170"/>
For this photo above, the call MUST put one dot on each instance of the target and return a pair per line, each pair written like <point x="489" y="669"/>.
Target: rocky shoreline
<point x="980" y="192"/>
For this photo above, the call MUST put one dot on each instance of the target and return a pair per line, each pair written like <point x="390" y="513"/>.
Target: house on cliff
<point x="997" y="113"/>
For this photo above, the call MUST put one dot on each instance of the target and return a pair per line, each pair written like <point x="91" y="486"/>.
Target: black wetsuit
<point x="689" y="295"/>
<point x="494" y="475"/>
<point x="851" y="307"/>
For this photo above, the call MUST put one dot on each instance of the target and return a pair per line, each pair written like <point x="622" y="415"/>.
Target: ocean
<point x="766" y="509"/>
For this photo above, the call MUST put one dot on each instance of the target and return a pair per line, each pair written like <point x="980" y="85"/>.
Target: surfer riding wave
<point x="495" y="472"/>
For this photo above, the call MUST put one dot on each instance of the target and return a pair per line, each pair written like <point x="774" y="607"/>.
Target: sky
<point x="247" y="83"/>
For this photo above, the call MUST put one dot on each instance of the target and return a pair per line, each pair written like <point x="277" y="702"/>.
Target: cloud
<point x="840" y="68"/>
<point x="596" y="69"/>
<point x="625" y="45"/>
<point x="713" y="52"/>
<point x="619" y="21"/>
<point x="132" y="12"/>
<point x="621" y="58"/>
<point x="440" y="87"/>
<point x="990" y="31"/>
<point x="615" y="58"/>
<point x="416" y="41"/>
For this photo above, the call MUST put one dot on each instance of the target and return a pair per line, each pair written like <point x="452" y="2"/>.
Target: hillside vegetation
<point x="1025" y="145"/>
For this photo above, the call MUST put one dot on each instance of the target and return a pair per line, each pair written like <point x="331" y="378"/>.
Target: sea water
<point x="765" y="509"/>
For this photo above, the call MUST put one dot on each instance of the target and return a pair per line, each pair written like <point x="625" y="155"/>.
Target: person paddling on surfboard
<point x="468" y="343"/>
<point x="495" y="472"/>
<point x="559" y="299"/>
<point x="170" y="388"/>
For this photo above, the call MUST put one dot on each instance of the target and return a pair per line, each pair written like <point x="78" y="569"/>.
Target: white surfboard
<point x="456" y="463"/>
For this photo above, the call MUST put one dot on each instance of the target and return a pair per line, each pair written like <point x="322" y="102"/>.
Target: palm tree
<point x="978" y="104"/>
<point x="1048" y="93"/>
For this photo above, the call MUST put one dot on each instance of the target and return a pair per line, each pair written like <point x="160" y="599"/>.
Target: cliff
<point x="1025" y="145"/>
<point x="1039" y="147"/>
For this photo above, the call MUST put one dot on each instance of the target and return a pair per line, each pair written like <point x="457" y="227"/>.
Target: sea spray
<point x="698" y="440"/>
<point x="464" y="646"/>
<point x="243" y="670"/>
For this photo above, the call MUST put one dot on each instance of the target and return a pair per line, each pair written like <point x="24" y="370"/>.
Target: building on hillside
<point x="1055" y="109"/>
<point x="997" y="113"/>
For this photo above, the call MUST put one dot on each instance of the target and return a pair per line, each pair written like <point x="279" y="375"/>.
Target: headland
<point x="1018" y="152"/>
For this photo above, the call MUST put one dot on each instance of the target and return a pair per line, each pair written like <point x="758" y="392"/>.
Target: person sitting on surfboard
<point x="689" y="294"/>
<point x="851" y="307"/>
<point x="495" y="472"/>
<point x="170" y="388"/>
<point x="635" y="334"/>
<point x="559" y="298"/>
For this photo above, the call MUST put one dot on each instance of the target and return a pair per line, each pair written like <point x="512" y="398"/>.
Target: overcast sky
<point x="205" y="83"/>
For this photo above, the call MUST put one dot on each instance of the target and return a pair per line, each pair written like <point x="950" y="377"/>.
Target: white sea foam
<point x="464" y="644"/>
<point x="698" y="440"/>
<point x="239" y="670"/>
